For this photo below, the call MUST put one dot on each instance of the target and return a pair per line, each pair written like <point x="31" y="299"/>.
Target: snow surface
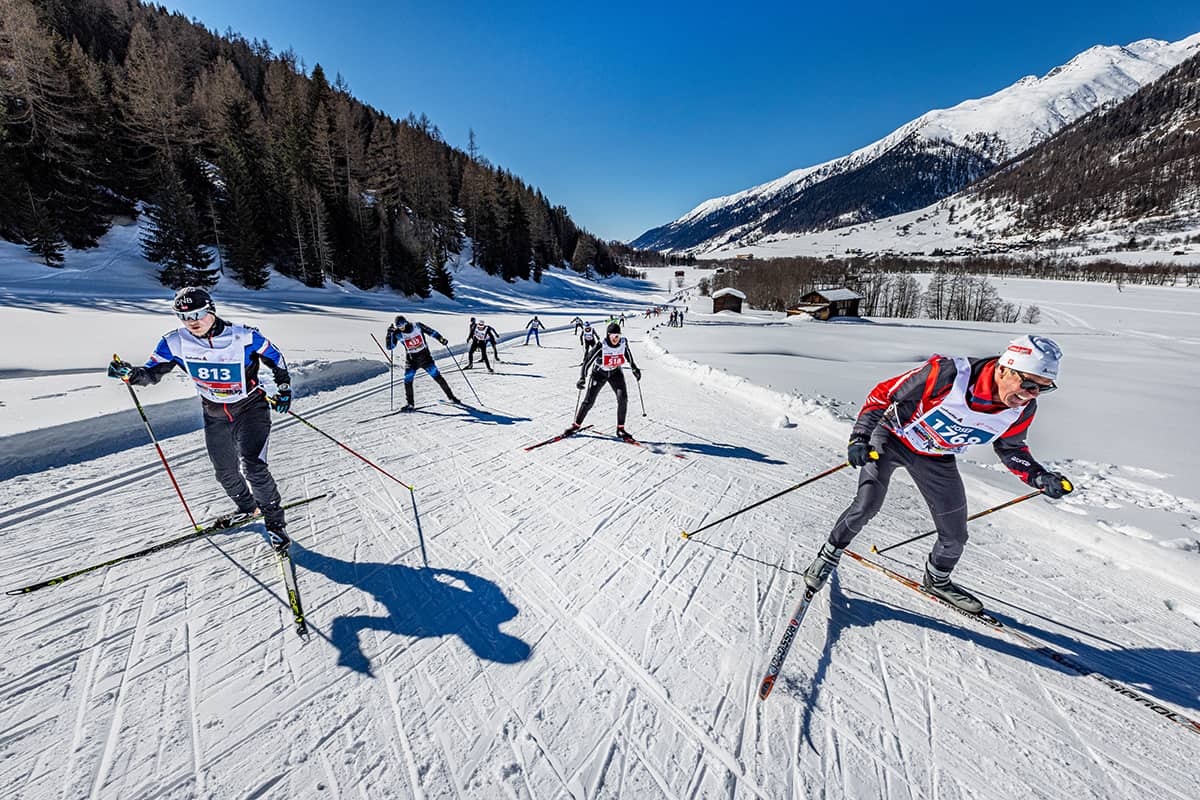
<point x="531" y="624"/>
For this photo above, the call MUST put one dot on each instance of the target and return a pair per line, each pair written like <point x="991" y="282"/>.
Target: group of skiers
<point x="920" y="421"/>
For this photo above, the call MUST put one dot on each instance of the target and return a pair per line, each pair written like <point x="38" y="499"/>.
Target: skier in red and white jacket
<point x="920" y="421"/>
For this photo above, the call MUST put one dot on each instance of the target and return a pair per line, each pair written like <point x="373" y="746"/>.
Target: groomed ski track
<point x="563" y="640"/>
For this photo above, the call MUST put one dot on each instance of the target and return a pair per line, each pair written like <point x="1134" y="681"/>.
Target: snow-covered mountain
<point x="927" y="159"/>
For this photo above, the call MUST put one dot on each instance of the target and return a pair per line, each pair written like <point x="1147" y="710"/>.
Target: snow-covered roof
<point x="733" y="292"/>
<point x="839" y="294"/>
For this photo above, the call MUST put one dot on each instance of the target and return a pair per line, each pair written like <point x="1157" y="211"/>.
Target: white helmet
<point x="1035" y="355"/>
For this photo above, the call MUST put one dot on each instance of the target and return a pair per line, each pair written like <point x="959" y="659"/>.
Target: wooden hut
<point x="828" y="303"/>
<point x="728" y="300"/>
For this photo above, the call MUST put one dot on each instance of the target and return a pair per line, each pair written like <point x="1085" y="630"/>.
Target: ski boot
<point x="408" y="407"/>
<point x="571" y="431"/>
<point x="822" y="567"/>
<point x="454" y="400"/>
<point x="623" y="434"/>
<point x="937" y="583"/>
<point x="279" y="538"/>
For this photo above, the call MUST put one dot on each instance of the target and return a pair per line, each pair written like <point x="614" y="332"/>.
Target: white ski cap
<point x="1036" y="355"/>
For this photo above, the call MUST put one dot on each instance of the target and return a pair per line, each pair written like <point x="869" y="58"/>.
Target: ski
<point x="986" y="619"/>
<point x="558" y="438"/>
<point x="785" y="644"/>
<point x="288" y="568"/>
<point x="218" y="525"/>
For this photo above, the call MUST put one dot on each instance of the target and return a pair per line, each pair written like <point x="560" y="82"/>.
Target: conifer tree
<point x="44" y="238"/>
<point x="174" y="238"/>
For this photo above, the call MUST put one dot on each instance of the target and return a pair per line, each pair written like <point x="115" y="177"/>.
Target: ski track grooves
<point x="665" y="638"/>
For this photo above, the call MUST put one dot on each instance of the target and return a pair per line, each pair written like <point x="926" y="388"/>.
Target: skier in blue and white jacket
<point x="223" y="359"/>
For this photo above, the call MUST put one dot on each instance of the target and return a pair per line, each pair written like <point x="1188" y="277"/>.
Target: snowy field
<point x="531" y="624"/>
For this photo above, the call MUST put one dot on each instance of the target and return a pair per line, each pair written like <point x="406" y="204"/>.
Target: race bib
<point x="413" y="343"/>
<point x="221" y="380"/>
<point x="942" y="432"/>
<point x="613" y="362"/>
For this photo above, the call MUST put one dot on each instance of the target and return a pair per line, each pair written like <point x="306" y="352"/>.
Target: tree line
<point x="109" y="108"/>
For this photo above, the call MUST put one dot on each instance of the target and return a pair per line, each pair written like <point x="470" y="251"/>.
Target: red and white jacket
<point x="905" y="407"/>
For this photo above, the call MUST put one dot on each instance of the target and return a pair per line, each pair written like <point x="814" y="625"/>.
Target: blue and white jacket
<point x="223" y="364"/>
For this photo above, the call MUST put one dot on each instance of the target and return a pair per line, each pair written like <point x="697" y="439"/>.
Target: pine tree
<point x="243" y="197"/>
<point x="174" y="238"/>
<point x="44" y="239"/>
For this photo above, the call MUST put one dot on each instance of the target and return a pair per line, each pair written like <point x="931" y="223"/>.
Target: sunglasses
<point x="191" y="316"/>
<point x="1029" y="385"/>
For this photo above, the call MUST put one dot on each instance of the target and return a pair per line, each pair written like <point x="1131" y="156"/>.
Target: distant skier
<point x="588" y="338"/>
<point x="417" y="355"/>
<point x="222" y="359"/>
<point x="531" y="329"/>
<point x="481" y="334"/>
<point x="920" y="421"/>
<point x="578" y="323"/>
<point x="605" y="361"/>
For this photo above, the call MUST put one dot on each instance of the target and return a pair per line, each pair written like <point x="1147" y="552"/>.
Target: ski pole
<point x="464" y="374"/>
<point x="805" y="482"/>
<point x="641" y="399"/>
<point x="161" y="455"/>
<point x="359" y="456"/>
<point x="391" y="375"/>
<point x="187" y="537"/>
<point x="1013" y="502"/>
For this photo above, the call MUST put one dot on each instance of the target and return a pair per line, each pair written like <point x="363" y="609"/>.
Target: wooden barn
<point x="728" y="300"/>
<point x="828" y="303"/>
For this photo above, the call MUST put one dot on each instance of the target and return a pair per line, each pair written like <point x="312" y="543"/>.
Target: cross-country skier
<point x="222" y="359"/>
<point x="578" y="323"/>
<point x="920" y="421"/>
<point x="531" y="329"/>
<point x="481" y="334"/>
<point x="605" y="361"/>
<point x="417" y="355"/>
<point x="588" y="338"/>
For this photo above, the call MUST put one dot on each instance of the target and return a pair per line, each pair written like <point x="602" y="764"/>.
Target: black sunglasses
<point x="1029" y="385"/>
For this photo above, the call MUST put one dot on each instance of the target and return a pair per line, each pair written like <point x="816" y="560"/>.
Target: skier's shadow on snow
<point x="1169" y="676"/>
<point x="717" y="450"/>
<point x="420" y="602"/>
<point x="474" y="414"/>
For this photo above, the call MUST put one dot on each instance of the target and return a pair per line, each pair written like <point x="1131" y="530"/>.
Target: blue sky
<point x="631" y="114"/>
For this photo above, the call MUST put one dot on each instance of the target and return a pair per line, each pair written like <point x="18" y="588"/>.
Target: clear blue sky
<point x="630" y="116"/>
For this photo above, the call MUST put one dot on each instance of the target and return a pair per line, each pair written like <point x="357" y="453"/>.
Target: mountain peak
<point x="927" y="158"/>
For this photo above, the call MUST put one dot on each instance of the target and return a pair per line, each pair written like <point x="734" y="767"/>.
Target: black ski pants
<point x="422" y="360"/>
<point x="239" y="431"/>
<point x="938" y="481"/>
<point x="614" y="378"/>
<point x="482" y="348"/>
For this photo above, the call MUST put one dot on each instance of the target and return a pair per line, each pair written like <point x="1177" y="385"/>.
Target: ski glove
<point x="859" y="452"/>
<point x="1053" y="484"/>
<point x="119" y="369"/>
<point x="282" y="401"/>
<point x="443" y="340"/>
<point x="579" y="384"/>
<point x="637" y="374"/>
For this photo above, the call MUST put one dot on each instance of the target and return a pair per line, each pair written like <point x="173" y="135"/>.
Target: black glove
<point x="579" y="384"/>
<point x="120" y="369"/>
<point x="1053" y="484"/>
<point x="859" y="452"/>
<point x="282" y="401"/>
<point x="637" y="374"/>
<point x="443" y="340"/>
